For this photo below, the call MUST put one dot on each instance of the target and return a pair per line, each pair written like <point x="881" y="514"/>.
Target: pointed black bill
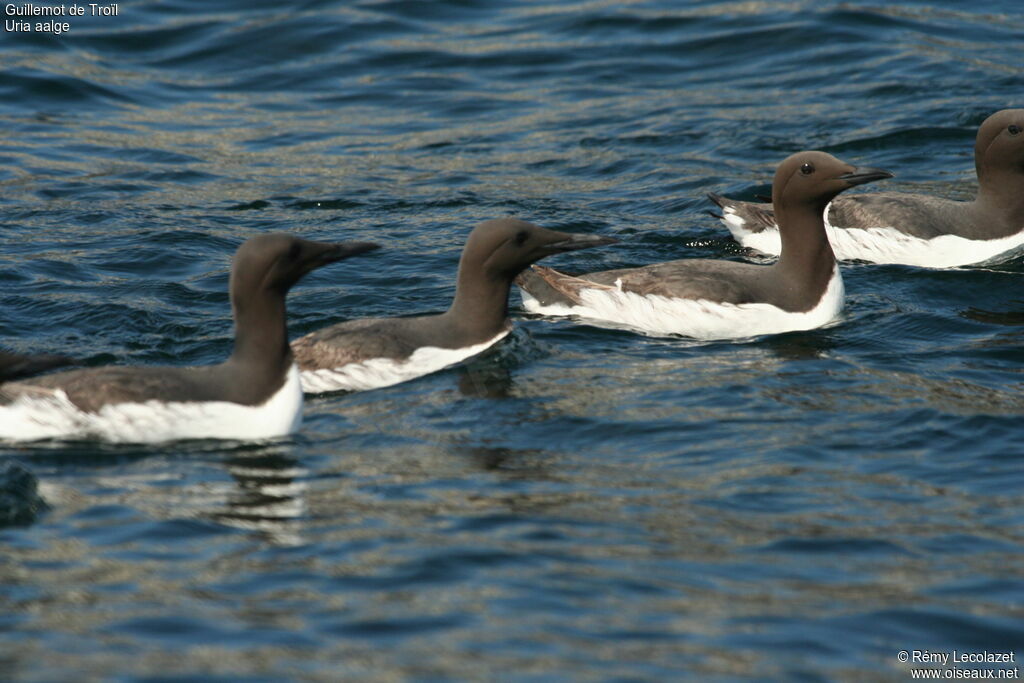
<point x="571" y="241"/>
<point x="864" y="174"/>
<point x="318" y="254"/>
<point x="347" y="249"/>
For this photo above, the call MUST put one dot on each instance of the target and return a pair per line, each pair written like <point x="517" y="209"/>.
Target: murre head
<point x="275" y="261"/>
<point x="999" y="147"/>
<point x="506" y="246"/>
<point x="815" y="178"/>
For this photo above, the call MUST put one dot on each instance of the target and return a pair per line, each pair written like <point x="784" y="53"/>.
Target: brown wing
<point x="353" y="342"/>
<point x="914" y="214"/>
<point x="721" y="281"/>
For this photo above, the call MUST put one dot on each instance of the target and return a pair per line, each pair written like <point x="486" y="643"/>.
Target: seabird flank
<point x="916" y="229"/>
<point x="710" y="299"/>
<point x="254" y="394"/>
<point x="378" y="352"/>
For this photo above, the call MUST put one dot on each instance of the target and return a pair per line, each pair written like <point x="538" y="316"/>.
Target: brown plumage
<point x="997" y="211"/>
<point x="495" y="252"/>
<point x="803" y="185"/>
<point x="264" y="269"/>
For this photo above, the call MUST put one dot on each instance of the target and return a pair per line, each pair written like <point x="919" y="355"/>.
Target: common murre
<point x="378" y="352"/>
<point x="713" y="299"/>
<point x="916" y="229"/>
<point x="254" y="394"/>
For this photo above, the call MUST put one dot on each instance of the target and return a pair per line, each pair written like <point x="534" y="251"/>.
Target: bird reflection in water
<point x="270" y="497"/>
<point x="485" y="380"/>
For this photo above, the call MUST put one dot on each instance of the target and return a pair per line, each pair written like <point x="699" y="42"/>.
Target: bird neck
<point x="806" y="255"/>
<point x="1000" y="201"/>
<point x="480" y="307"/>
<point x="261" y="334"/>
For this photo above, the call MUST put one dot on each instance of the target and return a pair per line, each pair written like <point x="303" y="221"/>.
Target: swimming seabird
<point x="916" y="229"/>
<point x="712" y="299"/>
<point x="378" y="352"/>
<point x="254" y="394"/>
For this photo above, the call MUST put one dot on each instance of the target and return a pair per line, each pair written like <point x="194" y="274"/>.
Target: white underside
<point x="883" y="244"/>
<point x="55" y="416"/>
<point x="697" y="318"/>
<point x="384" y="372"/>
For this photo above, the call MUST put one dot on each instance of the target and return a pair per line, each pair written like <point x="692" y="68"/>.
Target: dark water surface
<point x="579" y="503"/>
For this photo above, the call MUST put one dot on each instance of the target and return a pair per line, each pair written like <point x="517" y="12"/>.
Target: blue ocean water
<point x="578" y="503"/>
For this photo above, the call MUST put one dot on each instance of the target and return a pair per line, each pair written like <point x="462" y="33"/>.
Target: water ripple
<point x="578" y="503"/>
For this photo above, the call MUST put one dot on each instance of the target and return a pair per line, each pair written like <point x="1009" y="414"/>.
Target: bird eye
<point x="807" y="169"/>
<point x="294" y="250"/>
<point x="1013" y="129"/>
<point x="521" y="237"/>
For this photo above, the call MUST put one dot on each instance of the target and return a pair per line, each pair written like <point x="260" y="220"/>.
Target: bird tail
<point x="748" y="216"/>
<point x="550" y="287"/>
<point x="16" y="365"/>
